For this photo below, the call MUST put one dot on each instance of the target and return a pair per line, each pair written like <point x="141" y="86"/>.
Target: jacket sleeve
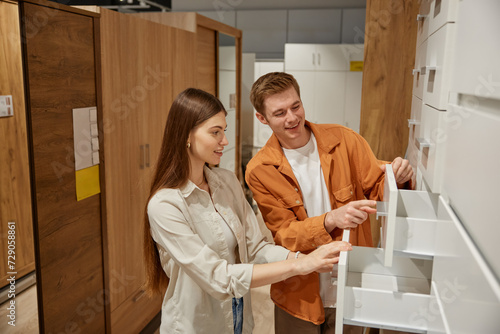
<point x="283" y="211"/>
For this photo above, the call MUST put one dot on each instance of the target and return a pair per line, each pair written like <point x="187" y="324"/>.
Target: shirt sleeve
<point x="170" y="229"/>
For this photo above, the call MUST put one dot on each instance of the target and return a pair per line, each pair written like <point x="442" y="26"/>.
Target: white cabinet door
<point x="331" y="57"/>
<point x="307" y="84"/>
<point x="352" y="107"/>
<point x="330" y="97"/>
<point x="300" y="57"/>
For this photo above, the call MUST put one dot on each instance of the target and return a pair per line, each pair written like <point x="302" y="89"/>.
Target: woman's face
<point x="208" y="140"/>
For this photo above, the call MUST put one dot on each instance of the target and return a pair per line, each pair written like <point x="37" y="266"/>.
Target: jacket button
<point x="296" y="189"/>
<point x="297" y="201"/>
<point x="314" y="245"/>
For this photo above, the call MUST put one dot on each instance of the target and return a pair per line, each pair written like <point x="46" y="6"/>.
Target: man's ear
<point x="261" y="118"/>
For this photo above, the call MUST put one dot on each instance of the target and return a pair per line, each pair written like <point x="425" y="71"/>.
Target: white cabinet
<point x="262" y="132"/>
<point x="450" y="222"/>
<point x="436" y="280"/>
<point x="315" y="57"/>
<point x="330" y="92"/>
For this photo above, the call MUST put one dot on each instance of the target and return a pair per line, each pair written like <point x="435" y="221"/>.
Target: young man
<point x="311" y="181"/>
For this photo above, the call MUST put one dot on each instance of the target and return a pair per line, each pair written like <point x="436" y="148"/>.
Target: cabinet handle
<point x="422" y="143"/>
<point x="314" y="58"/>
<point x="424" y="69"/>
<point x="319" y="59"/>
<point x="147" y="155"/>
<point x="141" y="153"/>
<point x="421" y="17"/>
<point x="415" y="70"/>
<point x="138" y="296"/>
<point x="412" y="121"/>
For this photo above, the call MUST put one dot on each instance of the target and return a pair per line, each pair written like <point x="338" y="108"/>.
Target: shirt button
<point x="297" y="201"/>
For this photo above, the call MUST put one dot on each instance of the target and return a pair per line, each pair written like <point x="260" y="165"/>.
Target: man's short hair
<point x="270" y="84"/>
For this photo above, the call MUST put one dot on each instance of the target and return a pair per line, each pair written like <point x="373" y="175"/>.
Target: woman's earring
<point x="188" y="145"/>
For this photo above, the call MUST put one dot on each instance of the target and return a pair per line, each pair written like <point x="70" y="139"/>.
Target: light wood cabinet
<point x="138" y="71"/>
<point x="16" y="224"/>
<point x="208" y="33"/>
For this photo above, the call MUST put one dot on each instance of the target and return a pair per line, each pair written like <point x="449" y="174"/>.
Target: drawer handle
<point x="422" y="143"/>
<point x="424" y="69"/>
<point x="415" y="70"/>
<point x="421" y="17"/>
<point x="412" y="121"/>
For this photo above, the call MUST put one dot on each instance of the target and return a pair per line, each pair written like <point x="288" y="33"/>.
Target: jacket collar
<point x="272" y="153"/>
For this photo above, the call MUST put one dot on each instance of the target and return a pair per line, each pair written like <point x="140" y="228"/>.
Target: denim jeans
<point x="238" y="315"/>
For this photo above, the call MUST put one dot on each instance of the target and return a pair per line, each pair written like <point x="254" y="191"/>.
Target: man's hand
<point x="402" y="171"/>
<point x="350" y="215"/>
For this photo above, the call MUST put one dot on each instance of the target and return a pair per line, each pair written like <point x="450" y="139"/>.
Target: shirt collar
<point x="213" y="182"/>
<point x="326" y="141"/>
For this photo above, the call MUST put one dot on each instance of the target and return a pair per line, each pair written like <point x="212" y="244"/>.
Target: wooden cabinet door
<point x="59" y="46"/>
<point x="16" y="223"/>
<point x="206" y="60"/>
<point x="137" y="92"/>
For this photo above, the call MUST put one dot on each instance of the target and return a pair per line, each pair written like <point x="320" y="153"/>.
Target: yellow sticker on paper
<point x="87" y="182"/>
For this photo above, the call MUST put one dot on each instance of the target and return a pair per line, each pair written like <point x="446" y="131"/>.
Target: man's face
<point x="285" y="115"/>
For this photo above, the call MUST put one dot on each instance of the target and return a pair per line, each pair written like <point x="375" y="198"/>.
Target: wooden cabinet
<point x="137" y="70"/>
<point x="60" y="46"/>
<point x="208" y="33"/>
<point x="16" y="224"/>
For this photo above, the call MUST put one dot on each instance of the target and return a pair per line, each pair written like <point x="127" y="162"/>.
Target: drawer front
<point x="437" y="71"/>
<point x="423" y="21"/>
<point x="414" y="132"/>
<point x="433" y="132"/>
<point x="442" y="12"/>
<point x="418" y="78"/>
<point x="476" y="70"/>
<point x="468" y="291"/>
<point x="472" y="179"/>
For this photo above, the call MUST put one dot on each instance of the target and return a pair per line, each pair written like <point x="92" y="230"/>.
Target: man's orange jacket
<point x="351" y="172"/>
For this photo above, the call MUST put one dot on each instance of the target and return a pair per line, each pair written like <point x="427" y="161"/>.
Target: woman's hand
<point x="323" y="258"/>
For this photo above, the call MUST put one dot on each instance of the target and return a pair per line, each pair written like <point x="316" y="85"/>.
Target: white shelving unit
<point x="438" y="269"/>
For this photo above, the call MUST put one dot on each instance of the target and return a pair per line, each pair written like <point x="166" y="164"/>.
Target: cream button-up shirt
<point x="186" y="225"/>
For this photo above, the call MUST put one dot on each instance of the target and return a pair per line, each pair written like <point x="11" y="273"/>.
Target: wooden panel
<point x="15" y="190"/>
<point x="60" y="76"/>
<point x="184" y="60"/>
<point x="390" y="38"/>
<point x="137" y="93"/>
<point x="185" y="21"/>
<point x="206" y="60"/>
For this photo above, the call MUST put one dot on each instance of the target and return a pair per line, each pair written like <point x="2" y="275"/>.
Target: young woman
<point x="201" y="236"/>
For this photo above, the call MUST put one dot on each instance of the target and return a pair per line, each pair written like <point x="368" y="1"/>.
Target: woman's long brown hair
<point x="189" y="109"/>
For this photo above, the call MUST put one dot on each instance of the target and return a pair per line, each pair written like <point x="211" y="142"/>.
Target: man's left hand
<point x="402" y="170"/>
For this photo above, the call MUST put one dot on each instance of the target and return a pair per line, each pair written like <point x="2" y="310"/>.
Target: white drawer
<point x="467" y="290"/>
<point x="437" y="71"/>
<point x="420" y="62"/>
<point x="476" y="70"/>
<point x="412" y="153"/>
<point x="433" y="134"/>
<point x="365" y="284"/>
<point x="423" y="21"/>
<point x="442" y="12"/>
<point x="405" y="215"/>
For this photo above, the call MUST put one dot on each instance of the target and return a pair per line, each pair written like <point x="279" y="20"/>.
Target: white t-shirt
<point x="306" y="167"/>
